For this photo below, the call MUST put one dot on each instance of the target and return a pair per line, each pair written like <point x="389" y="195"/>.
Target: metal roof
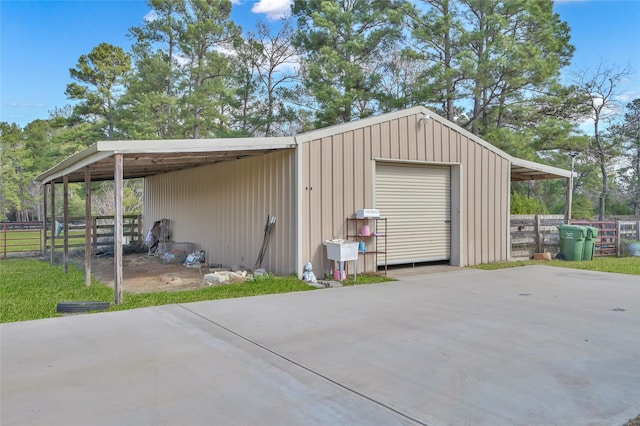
<point x="520" y="169"/>
<point x="529" y="170"/>
<point x="150" y="157"/>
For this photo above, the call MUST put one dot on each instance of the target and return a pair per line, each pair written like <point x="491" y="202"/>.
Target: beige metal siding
<point x="487" y="203"/>
<point x="223" y="209"/>
<point x="416" y="200"/>
<point x="337" y="179"/>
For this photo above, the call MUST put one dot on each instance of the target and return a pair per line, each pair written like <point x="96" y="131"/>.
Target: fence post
<point x="618" y="238"/>
<point x="94" y="225"/>
<point x="43" y="235"/>
<point x="140" y="240"/>
<point x="4" y="231"/>
<point x="538" y="234"/>
<point x="638" y="230"/>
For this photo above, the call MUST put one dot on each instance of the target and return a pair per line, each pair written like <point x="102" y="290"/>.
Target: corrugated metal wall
<point x="338" y="175"/>
<point x="223" y="208"/>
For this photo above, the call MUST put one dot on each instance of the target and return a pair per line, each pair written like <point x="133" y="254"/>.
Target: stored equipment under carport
<point x="268" y="229"/>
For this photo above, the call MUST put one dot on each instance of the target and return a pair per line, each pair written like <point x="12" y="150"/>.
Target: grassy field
<point x="621" y="265"/>
<point x="31" y="289"/>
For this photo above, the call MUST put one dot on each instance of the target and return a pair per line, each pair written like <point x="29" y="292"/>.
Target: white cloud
<point x="274" y="9"/>
<point x="25" y="105"/>
<point x="151" y="16"/>
<point x="628" y="96"/>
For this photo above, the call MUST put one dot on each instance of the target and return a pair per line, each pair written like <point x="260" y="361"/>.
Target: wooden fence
<point x="535" y="234"/>
<point x="539" y="233"/>
<point x="36" y="237"/>
<point x="102" y="229"/>
<point x="629" y="232"/>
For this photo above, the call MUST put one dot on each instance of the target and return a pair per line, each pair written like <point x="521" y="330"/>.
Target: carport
<point x="119" y="160"/>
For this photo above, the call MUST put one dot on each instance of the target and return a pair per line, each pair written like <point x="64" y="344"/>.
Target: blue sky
<point x="41" y="40"/>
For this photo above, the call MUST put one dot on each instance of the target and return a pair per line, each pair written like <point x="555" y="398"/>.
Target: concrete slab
<point x="161" y="366"/>
<point x="532" y="345"/>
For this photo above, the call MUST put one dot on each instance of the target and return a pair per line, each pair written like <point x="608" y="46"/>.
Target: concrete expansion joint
<point x="308" y="369"/>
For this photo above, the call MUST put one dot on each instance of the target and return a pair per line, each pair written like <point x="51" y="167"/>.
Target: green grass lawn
<point x="621" y="265"/>
<point x="31" y="289"/>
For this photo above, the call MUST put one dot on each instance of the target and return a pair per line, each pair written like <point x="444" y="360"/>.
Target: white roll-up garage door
<point x="416" y="200"/>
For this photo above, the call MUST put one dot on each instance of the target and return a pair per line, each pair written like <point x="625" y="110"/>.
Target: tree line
<point x="493" y="67"/>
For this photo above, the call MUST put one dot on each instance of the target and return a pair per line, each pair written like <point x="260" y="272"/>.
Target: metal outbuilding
<point x="444" y="191"/>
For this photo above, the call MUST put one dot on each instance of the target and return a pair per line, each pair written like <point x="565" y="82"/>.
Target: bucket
<point x="365" y="231"/>
<point x="336" y="275"/>
<point x="362" y="247"/>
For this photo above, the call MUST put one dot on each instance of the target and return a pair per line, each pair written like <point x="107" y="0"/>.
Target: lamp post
<point x="573" y="156"/>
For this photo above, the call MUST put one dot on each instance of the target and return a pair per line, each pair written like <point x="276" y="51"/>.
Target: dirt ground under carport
<point x="142" y="273"/>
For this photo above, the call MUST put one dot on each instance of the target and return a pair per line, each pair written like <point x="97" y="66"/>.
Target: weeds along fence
<point x="539" y="234"/>
<point x="41" y="237"/>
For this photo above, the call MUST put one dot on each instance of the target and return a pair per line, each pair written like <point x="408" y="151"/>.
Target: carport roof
<point x="150" y="157"/>
<point x="529" y="170"/>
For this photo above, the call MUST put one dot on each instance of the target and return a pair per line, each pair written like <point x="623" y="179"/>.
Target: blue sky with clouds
<point x="40" y="41"/>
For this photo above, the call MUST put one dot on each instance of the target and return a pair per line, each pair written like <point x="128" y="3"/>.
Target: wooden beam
<point x="53" y="222"/>
<point x="118" y="226"/>
<point x="65" y="224"/>
<point x="88" y="253"/>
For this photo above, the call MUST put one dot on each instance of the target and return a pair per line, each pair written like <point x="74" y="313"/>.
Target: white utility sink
<point x="341" y="250"/>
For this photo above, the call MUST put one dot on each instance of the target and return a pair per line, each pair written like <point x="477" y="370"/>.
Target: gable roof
<point x="520" y="169"/>
<point x="149" y="157"/>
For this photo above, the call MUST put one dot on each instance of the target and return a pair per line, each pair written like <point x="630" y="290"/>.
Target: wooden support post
<point x="53" y="222"/>
<point x="87" y="228"/>
<point x="65" y="209"/>
<point x="118" y="228"/>
<point x="44" y="220"/>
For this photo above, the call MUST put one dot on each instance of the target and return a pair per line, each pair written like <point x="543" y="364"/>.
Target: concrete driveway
<point x="534" y="346"/>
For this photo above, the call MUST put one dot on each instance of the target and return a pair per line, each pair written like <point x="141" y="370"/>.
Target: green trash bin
<point x="590" y="243"/>
<point x="572" y="239"/>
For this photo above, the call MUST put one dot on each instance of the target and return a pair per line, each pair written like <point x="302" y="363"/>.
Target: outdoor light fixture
<point x="425" y="116"/>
